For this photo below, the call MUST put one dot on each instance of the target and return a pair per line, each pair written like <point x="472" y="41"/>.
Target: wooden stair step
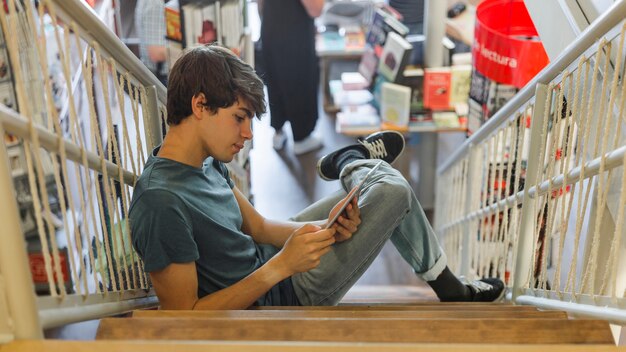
<point x="483" y="331"/>
<point x="305" y="314"/>
<point x="171" y="346"/>
<point x="431" y="306"/>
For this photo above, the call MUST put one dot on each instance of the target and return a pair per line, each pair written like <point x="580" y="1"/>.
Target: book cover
<point x="437" y="88"/>
<point x="446" y="119"/>
<point x="208" y="26"/>
<point x="172" y="21"/>
<point x="368" y="64"/>
<point x="413" y="77"/>
<point x="394" y="57"/>
<point x="382" y="24"/>
<point x="474" y="116"/>
<point x="377" y="89"/>
<point x="354" y="38"/>
<point x="192" y="19"/>
<point x="478" y="87"/>
<point x="394" y="104"/>
<point x="460" y="84"/>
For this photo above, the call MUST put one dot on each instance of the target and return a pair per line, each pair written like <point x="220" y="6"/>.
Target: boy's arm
<point x="177" y="288"/>
<point x="177" y="284"/>
<point x="313" y="7"/>
<point x="264" y="230"/>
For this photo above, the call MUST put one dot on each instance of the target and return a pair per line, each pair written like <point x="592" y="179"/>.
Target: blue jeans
<point x="389" y="210"/>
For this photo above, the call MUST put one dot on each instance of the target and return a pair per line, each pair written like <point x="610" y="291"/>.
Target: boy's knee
<point x="395" y="190"/>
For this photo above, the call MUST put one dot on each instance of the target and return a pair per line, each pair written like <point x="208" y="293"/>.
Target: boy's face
<point x="226" y="131"/>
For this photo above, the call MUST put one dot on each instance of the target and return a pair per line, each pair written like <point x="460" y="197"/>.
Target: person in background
<point x="150" y="25"/>
<point x="412" y="12"/>
<point x="292" y="69"/>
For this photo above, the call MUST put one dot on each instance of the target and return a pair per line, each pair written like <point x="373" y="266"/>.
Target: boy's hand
<point x="349" y="221"/>
<point x="305" y="247"/>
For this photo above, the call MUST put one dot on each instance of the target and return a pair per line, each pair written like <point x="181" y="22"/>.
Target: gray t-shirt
<point x="180" y="214"/>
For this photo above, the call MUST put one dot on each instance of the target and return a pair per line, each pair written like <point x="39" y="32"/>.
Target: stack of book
<point x="191" y="23"/>
<point x="407" y="98"/>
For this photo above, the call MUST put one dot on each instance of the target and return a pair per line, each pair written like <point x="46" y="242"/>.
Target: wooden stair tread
<point x="305" y="314"/>
<point x="484" y="331"/>
<point x="196" y="346"/>
<point x="431" y="306"/>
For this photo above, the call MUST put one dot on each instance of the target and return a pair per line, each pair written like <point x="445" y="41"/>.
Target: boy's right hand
<point x="305" y="247"/>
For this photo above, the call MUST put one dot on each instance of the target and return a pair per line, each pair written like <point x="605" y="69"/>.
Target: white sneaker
<point x="279" y="140"/>
<point x="306" y="145"/>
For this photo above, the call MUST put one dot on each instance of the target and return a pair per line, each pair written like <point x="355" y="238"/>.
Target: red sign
<point x="506" y="46"/>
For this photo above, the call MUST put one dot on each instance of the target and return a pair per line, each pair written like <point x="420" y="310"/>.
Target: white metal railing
<point x="89" y="113"/>
<point x="537" y="196"/>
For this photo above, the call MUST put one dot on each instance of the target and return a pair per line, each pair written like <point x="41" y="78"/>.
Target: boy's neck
<point x="178" y="146"/>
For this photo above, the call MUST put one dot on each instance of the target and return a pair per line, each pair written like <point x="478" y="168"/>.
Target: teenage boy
<point x="206" y="247"/>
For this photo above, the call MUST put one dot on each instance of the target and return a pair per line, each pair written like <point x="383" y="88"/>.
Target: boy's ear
<point x="197" y="105"/>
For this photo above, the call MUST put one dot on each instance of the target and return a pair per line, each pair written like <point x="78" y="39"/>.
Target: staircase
<point x="431" y="326"/>
<point x="398" y="323"/>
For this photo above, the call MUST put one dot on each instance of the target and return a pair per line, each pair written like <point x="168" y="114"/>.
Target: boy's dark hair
<point x="217" y="73"/>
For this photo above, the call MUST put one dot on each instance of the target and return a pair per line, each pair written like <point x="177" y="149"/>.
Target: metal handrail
<point x="588" y="38"/>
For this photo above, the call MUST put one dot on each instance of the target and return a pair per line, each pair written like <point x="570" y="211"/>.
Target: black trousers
<point x="291" y="66"/>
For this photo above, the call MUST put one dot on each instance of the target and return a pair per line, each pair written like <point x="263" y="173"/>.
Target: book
<point x="173" y="35"/>
<point x="231" y="20"/>
<point x="474" y="116"/>
<point x="174" y="51"/>
<point x="421" y="121"/>
<point x="201" y="23"/>
<point x="368" y="64"/>
<point x="437" y="88"/>
<point x="446" y="119"/>
<point x="357" y="118"/>
<point x="353" y="81"/>
<point x="377" y="88"/>
<point x="460" y="84"/>
<point x="343" y="97"/>
<point x="353" y="37"/>
<point x="394" y="57"/>
<point x="208" y="27"/>
<point x="172" y="21"/>
<point x="479" y="85"/>
<point x="330" y="41"/>
<point x="382" y="24"/>
<point x="413" y="77"/>
<point x="394" y="104"/>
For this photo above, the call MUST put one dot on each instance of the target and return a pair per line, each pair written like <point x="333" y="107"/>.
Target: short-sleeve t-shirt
<point x="180" y="213"/>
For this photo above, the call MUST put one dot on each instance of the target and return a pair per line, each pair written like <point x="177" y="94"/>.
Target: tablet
<point x="353" y="194"/>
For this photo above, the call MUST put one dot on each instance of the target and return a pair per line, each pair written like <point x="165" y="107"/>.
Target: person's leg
<point x="389" y="209"/>
<point x="278" y="115"/>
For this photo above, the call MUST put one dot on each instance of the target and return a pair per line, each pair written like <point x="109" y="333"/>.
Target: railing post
<point x="526" y="246"/>
<point x="18" y="283"/>
<point x="469" y="202"/>
<point x="154" y="116"/>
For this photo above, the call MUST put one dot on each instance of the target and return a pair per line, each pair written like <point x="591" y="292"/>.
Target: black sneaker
<point x="486" y="290"/>
<point x="385" y="145"/>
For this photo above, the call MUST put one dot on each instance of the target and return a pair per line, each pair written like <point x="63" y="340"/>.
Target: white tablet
<point x="353" y="195"/>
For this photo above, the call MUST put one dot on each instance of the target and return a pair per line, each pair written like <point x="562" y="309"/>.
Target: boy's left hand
<point x="348" y="222"/>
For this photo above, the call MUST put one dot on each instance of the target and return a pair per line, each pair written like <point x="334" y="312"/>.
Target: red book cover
<point x="437" y="88"/>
